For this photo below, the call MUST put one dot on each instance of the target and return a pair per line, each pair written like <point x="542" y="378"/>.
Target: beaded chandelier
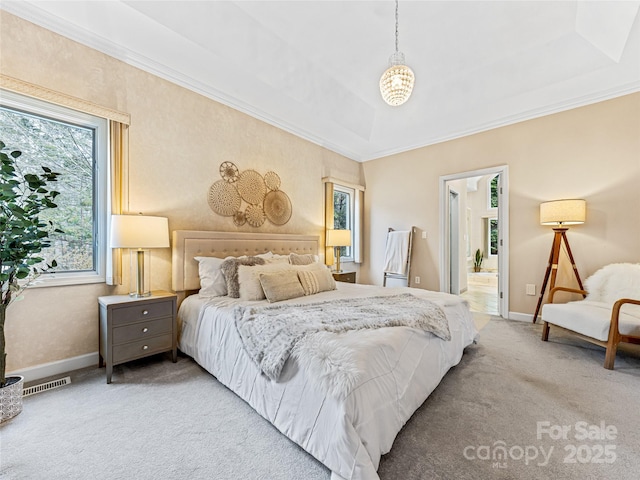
<point x="396" y="83"/>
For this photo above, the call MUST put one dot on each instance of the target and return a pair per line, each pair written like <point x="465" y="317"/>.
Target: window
<point x="492" y="236"/>
<point x="493" y="190"/>
<point x="75" y="145"/>
<point x="343" y="215"/>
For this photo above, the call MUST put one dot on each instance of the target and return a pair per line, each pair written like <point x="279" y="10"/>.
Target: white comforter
<point x="402" y="366"/>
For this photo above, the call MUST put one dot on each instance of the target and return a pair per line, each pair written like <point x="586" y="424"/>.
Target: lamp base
<point x="559" y="237"/>
<point x="336" y="253"/>
<point x="140" y="274"/>
<point x="139" y="295"/>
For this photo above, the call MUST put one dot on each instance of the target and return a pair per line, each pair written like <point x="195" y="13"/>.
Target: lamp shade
<point x="563" y="212"/>
<point x="338" y="238"/>
<point x="139" y="231"/>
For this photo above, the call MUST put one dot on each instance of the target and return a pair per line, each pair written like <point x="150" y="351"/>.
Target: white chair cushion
<point x="592" y="319"/>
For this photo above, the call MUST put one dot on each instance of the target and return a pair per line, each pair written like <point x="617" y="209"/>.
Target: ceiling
<point x="312" y="67"/>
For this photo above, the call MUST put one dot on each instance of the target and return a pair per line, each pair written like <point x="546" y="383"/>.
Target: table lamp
<point x="337" y="239"/>
<point x="139" y="233"/>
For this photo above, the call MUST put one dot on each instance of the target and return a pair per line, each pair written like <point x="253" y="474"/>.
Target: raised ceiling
<point x="312" y="67"/>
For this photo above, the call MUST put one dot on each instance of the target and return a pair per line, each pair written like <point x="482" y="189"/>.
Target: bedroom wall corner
<point x="591" y="152"/>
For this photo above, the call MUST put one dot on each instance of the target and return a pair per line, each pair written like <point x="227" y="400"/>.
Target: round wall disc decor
<point x="239" y="218"/>
<point x="251" y="187"/>
<point x="229" y="172"/>
<point x="224" y="198"/>
<point x="277" y="207"/>
<point x="272" y="180"/>
<point x="254" y="215"/>
<point x="248" y="197"/>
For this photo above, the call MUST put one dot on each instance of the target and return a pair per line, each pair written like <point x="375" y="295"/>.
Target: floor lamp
<point x="559" y="213"/>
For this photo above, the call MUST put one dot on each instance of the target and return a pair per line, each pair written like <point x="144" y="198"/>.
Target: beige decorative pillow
<point x="316" y="280"/>
<point x="305" y="259"/>
<point x="281" y="286"/>
<point x="249" y="286"/>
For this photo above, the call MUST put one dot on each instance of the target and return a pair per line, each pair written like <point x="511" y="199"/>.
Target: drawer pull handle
<point x="145" y="330"/>
<point x="145" y="312"/>
<point x="145" y="347"/>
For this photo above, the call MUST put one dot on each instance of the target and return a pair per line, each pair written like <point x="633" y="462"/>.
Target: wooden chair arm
<point x="615" y="312"/>
<point x="565" y="289"/>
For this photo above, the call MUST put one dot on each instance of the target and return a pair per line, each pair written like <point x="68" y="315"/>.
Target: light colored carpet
<point x="165" y="420"/>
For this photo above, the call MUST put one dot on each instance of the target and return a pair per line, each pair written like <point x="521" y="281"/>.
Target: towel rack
<point x="407" y="271"/>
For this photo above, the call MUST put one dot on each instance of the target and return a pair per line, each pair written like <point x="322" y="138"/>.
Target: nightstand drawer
<point x="142" y="330"/>
<point x="348" y="277"/>
<point x="141" y="348"/>
<point x="135" y="313"/>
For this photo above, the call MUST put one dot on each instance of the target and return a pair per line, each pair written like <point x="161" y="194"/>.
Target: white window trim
<point x="351" y="217"/>
<point x="101" y="125"/>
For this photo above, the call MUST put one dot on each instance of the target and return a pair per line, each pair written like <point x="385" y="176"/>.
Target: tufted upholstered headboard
<point x="188" y="244"/>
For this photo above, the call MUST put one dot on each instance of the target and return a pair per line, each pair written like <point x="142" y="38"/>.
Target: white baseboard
<point x="521" y="317"/>
<point x="58" y="367"/>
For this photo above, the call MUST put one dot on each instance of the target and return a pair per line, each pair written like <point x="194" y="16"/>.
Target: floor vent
<point x="43" y="387"/>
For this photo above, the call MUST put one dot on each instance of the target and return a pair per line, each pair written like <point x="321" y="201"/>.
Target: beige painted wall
<point x="177" y="141"/>
<point x="591" y="152"/>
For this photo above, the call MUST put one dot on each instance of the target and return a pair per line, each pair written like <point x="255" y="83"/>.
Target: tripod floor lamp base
<point x="559" y="238"/>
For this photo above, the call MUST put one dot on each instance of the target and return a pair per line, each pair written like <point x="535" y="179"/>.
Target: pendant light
<point x="396" y="83"/>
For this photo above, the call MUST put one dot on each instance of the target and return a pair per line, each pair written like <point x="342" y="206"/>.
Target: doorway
<point x="474" y="238"/>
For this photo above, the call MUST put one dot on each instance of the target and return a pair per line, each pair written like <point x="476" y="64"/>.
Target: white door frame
<point x="454" y="241"/>
<point x="503" y="240"/>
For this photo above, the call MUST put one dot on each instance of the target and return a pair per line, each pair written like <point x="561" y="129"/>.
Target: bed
<point x="388" y="372"/>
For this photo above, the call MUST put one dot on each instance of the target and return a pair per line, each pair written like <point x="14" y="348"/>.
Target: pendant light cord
<point x="396" y="26"/>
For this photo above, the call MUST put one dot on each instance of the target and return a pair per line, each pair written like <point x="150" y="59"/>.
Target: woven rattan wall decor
<point x="249" y="197"/>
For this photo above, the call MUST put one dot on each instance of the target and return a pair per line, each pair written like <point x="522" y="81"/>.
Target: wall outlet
<point x="531" y="289"/>
<point x="417" y="282"/>
<point x="424" y="234"/>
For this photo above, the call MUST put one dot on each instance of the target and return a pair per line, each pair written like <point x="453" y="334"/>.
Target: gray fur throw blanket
<point x="270" y="334"/>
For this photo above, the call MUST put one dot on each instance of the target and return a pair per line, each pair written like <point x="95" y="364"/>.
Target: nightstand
<point x="349" y="277"/>
<point x="132" y="328"/>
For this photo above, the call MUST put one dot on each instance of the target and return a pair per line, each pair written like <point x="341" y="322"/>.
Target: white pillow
<point x="278" y="259"/>
<point x="212" y="281"/>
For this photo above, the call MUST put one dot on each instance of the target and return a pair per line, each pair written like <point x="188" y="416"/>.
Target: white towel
<point x="397" y="252"/>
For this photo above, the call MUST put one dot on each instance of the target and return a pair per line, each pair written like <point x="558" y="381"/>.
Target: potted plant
<point x="477" y="261"/>
<point x="23" y="235"/>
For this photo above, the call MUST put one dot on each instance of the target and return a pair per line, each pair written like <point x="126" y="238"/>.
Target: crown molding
<point x="570" y="104"/>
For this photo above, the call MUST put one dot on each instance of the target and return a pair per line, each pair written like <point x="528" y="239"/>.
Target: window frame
<point x="351" y="192"/>
<point x="41" y="108"/>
